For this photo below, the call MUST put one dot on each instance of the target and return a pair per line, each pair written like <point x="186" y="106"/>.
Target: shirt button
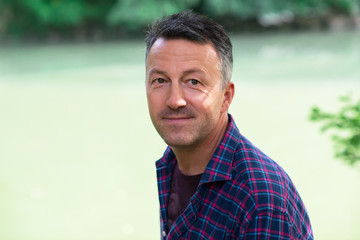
<point x="164" y="234"/>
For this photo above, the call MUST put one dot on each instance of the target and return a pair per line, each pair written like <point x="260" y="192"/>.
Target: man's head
<point x="187" y="96"/>
<point x="195" y="28"/>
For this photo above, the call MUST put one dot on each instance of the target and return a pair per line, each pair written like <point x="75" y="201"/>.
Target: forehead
<point x="182" y="48"/>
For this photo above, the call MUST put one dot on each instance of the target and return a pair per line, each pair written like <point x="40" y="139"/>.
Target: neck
<point x="192" y="160"/>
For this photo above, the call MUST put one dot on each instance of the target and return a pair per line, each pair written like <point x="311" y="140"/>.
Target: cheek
<point x="206" y="102"/>
<point x="151" y="104"/>
<point x="150" y="101"/>
<point x="154" y="103"/>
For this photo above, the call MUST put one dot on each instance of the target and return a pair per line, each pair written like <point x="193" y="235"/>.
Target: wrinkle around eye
<point x="206" y="92"/>
<point x="199" y="87"/>
<point x="157" y="82"/>
<point x="194" y="82"/>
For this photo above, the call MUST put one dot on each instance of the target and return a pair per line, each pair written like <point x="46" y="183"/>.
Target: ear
<point x="229" y="92"/>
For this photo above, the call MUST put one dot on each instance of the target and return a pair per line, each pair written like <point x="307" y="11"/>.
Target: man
<point x="213" y="183"/>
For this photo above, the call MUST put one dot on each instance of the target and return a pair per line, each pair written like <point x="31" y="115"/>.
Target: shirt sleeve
<point x="273" y="225"/>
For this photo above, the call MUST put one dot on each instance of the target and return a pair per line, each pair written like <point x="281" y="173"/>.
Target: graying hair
<point x="196" y="28"/>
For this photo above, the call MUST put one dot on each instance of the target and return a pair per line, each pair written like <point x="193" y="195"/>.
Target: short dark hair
<point x="196" y="28"/>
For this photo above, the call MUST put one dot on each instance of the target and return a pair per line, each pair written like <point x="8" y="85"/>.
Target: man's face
<point x="184" y="91"/>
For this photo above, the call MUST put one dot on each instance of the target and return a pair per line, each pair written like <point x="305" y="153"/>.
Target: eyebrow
<point x="155" y="70"/>
<point x="192" y="70"/>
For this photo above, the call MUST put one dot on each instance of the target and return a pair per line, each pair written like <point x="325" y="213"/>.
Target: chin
<point x="177" y="142"/>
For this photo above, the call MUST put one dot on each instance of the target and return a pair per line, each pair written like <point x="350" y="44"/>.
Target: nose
<point x="176" y="98"/>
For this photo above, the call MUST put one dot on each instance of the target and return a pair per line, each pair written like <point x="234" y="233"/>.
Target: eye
<point x="194" y="82"/>
<point x="159" y="80"/>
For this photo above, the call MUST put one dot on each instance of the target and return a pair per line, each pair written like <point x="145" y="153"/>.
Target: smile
<point x="177" y="120"/>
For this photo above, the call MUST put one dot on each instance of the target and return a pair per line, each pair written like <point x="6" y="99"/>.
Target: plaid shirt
<point x="242" y="194"/>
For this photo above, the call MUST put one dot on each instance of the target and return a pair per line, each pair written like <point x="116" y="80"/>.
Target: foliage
<point x="244" y="8"/>
<point x="56" y="12"/>
<point x="316" y="7"/>
<point x="136" y="14"/>
<point x="21" y="17"/>
<point x="258" y="9"/>
<point x="346" y="126"/>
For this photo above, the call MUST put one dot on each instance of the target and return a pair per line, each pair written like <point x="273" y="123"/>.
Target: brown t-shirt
<point x="182" y="189"/>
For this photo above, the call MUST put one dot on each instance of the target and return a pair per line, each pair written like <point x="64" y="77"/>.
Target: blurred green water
<point x="77" y="147"/>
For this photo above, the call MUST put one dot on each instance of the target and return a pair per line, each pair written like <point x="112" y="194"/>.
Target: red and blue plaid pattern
<point x="242" y="194"/>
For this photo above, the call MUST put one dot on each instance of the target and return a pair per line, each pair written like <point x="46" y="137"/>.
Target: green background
<point x="77" y="147"/>
<point x="96" y="20"/>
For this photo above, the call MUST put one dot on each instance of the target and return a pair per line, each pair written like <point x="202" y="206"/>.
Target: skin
<point x="187" y="102"/>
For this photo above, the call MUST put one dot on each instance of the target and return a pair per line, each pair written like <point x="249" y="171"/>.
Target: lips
<point x="181" y="115"/>
<point x="177" y="119"/>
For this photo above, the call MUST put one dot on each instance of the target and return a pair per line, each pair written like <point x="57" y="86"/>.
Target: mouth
<point x="177" y="119"/>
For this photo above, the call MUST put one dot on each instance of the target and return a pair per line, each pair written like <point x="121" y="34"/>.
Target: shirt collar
<point x="219" y="167"/>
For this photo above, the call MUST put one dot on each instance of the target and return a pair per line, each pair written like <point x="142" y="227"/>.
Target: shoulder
<point x="266" y="183"/>
<point x="267" y="188"/>
<point x="265" y="191"/>
<point x="254" y="176"/>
